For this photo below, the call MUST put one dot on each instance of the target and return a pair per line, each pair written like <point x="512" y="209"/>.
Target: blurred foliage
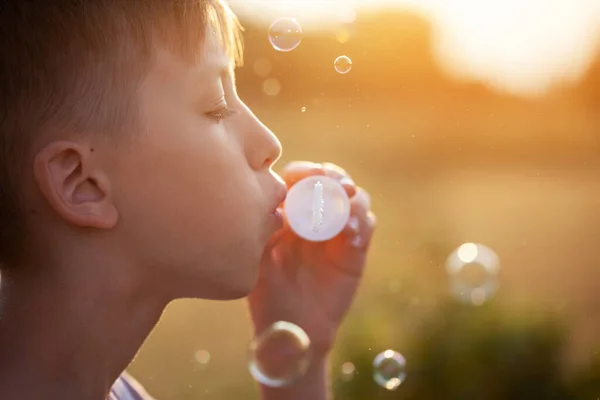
<point x="466" y="353"/>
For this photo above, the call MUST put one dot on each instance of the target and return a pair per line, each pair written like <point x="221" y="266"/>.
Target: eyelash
<point x="221" y="114"/>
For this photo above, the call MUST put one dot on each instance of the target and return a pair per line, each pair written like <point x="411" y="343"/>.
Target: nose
<point x="262" y="147"/>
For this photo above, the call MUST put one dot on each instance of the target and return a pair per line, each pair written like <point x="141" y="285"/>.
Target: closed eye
<point x="221" y="113"/>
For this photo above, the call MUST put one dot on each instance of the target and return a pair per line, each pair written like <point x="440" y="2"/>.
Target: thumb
<point x="272" y="260"/>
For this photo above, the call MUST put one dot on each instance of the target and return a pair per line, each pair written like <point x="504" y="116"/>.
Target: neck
<point x="69" y="333"/>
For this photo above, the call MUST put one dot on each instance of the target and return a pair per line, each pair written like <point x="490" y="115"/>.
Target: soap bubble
<point x="202" y="357"/>
<point x="299" y="208"/>
<point x="389" y="369"/>
<point x="280" y="355"/>
<point x="473" y="270"/>
<point x="342" y="64"/>
<point x="348" y="371"/>
<point x="285" y="34"/>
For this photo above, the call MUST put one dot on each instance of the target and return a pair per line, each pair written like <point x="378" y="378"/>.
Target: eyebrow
<point x="223" y="67"/>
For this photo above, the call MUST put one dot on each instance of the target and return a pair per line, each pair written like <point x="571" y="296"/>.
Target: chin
<point x="235" y="284"/>
<point x="228" y="291"/>
<point x="237" y="294"/>
<point x="240" y="286"/>
<point x="215" y="291"/>
<point x="224" y="278"/>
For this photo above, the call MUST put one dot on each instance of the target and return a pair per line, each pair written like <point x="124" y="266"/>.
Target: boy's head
<point x="122" y="139"/>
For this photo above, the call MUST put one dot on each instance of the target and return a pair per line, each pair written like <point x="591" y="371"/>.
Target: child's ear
<point x="74" y="185"/>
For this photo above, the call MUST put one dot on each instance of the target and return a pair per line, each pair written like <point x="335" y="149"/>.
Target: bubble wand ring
<point x="317" y="208"/>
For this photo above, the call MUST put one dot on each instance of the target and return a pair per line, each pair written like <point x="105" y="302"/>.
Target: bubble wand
<point x="317" y="208"/>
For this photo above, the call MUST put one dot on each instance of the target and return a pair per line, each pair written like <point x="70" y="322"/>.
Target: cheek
<point x="191" y="194"/>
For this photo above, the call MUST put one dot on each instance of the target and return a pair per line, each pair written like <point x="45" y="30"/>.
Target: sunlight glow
<point x="524" y="47"/>
<point x="520" y="46"/>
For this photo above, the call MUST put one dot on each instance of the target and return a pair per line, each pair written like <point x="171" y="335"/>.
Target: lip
<point x="277" y="217"/>
<point x="280" y="196"/>
<point x="277" y="212"/>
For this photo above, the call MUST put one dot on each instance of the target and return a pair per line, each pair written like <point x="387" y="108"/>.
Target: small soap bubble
<point x="342" y="64"/>
<point x="303" y="109"/>
<point x="473" y="270"/>
<point x="202" y="357"/>
<point x="348" y="370"/>
<point x="279" y="355"/>
<point x="389" y="369"/>
<point x="333" y="213"/>
<point x="285" y="34"/>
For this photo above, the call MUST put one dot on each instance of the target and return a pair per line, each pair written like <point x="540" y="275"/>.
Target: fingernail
<point x="357" y="241"/>
<point x="364" y="199"/>
<point x="313" y="165"/>
<point x="353" y="224"/>
<point x="372" y="218"/>
<point x="347" y="181"/>
<point x="304" y="165"/>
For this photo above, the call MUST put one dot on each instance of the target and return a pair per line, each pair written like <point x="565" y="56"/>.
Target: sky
<point x="521" y="46"/>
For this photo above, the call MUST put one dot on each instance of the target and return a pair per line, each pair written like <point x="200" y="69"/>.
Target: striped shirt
<point x="127" y="388"/>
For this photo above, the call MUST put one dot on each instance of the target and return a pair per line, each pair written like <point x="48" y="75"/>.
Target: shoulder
<point x="127" y="388"/>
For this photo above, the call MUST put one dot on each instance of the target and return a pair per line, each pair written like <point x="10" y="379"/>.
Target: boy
<point x="131" y="175"/>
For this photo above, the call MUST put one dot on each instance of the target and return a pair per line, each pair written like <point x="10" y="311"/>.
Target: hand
<point x="313" y="284"/>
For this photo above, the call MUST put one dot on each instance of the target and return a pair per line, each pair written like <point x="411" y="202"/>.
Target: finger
<point x="349" y="186"/>
<point x="271" y="256"/>
<point x="362" y="221"/>
<point x="297" y="170"/>
<point x="342" y="176"/>
<point x="276" y="238"/>
<point x="362" y="239"/>
<point x="270" y="266"/>
<point x="352" y="253"/>
<point x="360" y="204"/>
<point x="275" y="262"/>
<point x="335" y="171"/>
<point x="280" y="239"/>
<point x="362" y="198"/>
<point x="352" y="227"/>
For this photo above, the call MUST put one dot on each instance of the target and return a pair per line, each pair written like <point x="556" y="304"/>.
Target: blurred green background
<point x="447" y="161"/>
